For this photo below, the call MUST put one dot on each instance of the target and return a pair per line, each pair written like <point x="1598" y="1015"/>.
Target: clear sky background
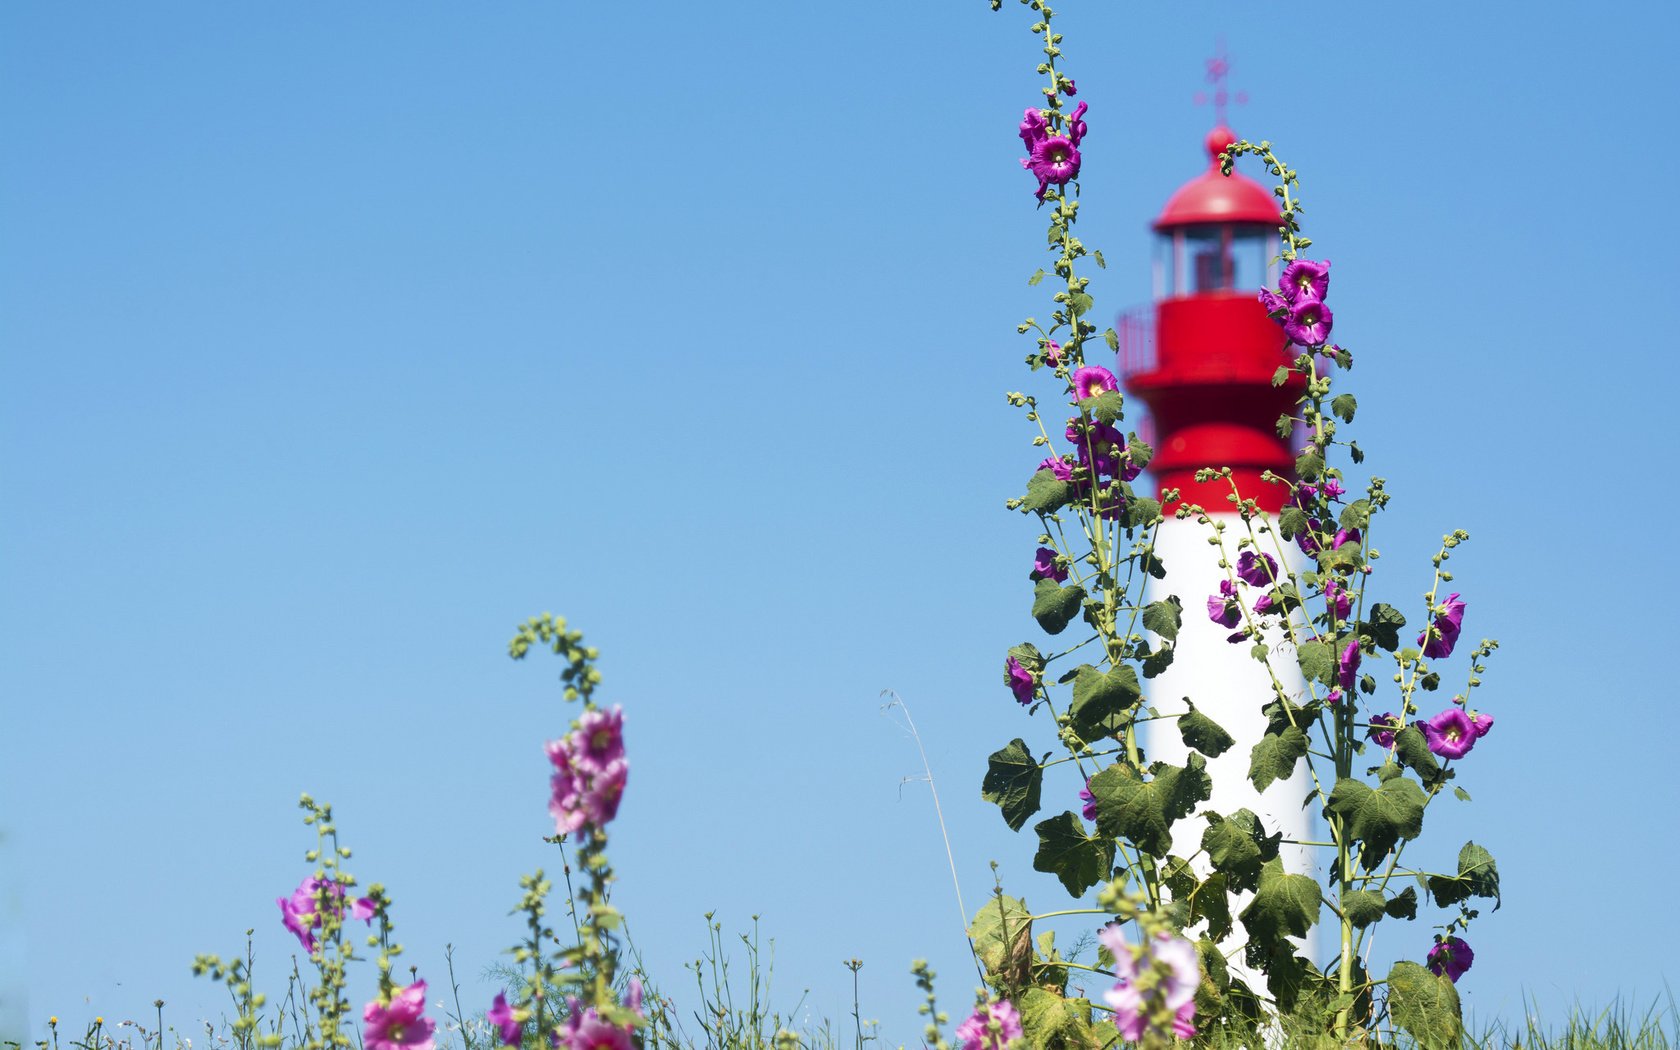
<point x="340" y="338"/>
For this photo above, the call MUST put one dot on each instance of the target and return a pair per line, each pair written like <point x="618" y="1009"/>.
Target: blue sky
<point x="339" y="340"/>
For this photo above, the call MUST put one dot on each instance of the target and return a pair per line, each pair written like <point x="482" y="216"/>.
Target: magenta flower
<point x="1089" y="810"/>
<point x="1101" y="448"/>
<point x="1331" y="488"/>
<point x="299" y="912"/>
<point x="1306" y="281"/>
<point x="1439" y="639"/>
<point x="1482" y="721"/>
<point x="1452" y="957"/>
<point x="1054" y="159"/>
<point x="1059" y="467"/>
<point x="1222" y="608"/>
<point x="505" y="1020"/>
<point x="1045" y="567"/>
<point x="1020" y="681"/>
<point x="1053" y="352"/>
<point x="1346" y="536"/>
<point x="1076" y="124"/>
<point x="1176" y="992"/>
<point x="1091" y="381"/>
<point x="590" y="772"/>
<point x="1274" y="303"/>
<point x="1257" y="570"/>
<point x="600" y="736"/>
<point x="1070" y="90"/>
<point x="1264" y="604"/>
<point x="587" y="1030"/>
<point x="1383" y="728"/>
<point x="1347" y="665"/>
<point x="1308" y="323"/>
<point x="1334" y="696"/>
<point x="1033" y="129"/>
<point x="1451" y="734"/>
<point x="976" y="1033"/>
<point x="398" y="1025"/>
<point x="1337" y="597"/>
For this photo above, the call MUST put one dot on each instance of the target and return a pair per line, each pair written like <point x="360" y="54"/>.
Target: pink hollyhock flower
<point x="1451" y="734"/>
<point x="1177" y="992"/>
<point x="506" y="1020"/>
<point x="1308" y="323"/>
<point x="587" y="1030"/>
<point x="1222" y="608"/>
<point x="1054" y="159"/>
<point x="1091" y="381"/>
<point x="1045" y="567"/>
<point x="590" y="772"/>
<point x="1101" y="448"/>
<point x="299" y="912"/>
<point x="1452" y="957"/>
<point x="1346" y="536"/>
<point x="1347" y="665"/>
<point x="1076" y="124"/>
<point x="1482" y="721"/>
<point x="1032" y="130"/>
<point x="1021" y="681"/>
<point x="1383" y="727"/>
<point x="1059" y="467"/>
<point x="1439" y="639"/>
<point x="398" y="1025"/>
<point x="1337" y="597"/>
<point x="1070" y="89"/>
<point x="1257" y="570"/>
<point x="1331" y="488"/>
<point x="600" y="736"/>
<point x="1089" y="810"/>
<point x="1306" y="281"/>
<point x="1274" y="303"/>
<point x="1053" y="352"/>
<point x="976" y="1032"/>
<point x="1264" y="604"/>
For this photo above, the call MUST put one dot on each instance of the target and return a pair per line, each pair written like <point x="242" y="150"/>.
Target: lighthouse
<point x="1202" y="358"/>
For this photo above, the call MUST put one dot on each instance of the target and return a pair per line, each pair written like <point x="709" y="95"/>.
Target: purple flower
<point x="1334" y="696"/>
<point x="300" y="912"/>
<point x="1383" y="728"/>
<point x="1176" y="992"/>
<point x="588" y="1030"/>
<point x="1059" y="467"/>
<point x="1264" y="604"/>
<point x="1053" y="352"/>
<point x="1032" y="130"/>
<point x="1308" y="323"/>
<point x="398" y="1025"/>
<point x="1257" y="570"/>
<point x="1337" y="597"/>
<point x="1307" y="538"/>
<point x="1222" y="608"/>
<point x="600" y="738"/>
<point x="1045" y="567"/>
<point x="1306" y="281"/>
<point x="1100" y="447"/>
<point x="590" y="772"/>
<point x="1055" y="159"/>
<point x="505" y="1020"/>
<point x="1076" y="124"/>
<point x="1347" y="665"/>
<point x="1273" y="302"/>
<point x="976" y="1033"/>
<point x="1091" y="381"/>
<point x="1345" y="536"/>
<point x="1331" y="488"/>
<point x="1451" y="734"/>
<point x="1021" y="681"/>
<point x="1089" y="810"/>
<point x="1452" y="957"/>
<point x="1482" y="721"/>
<point x="1069" y="89"/>
<point x="1439" y="639"/>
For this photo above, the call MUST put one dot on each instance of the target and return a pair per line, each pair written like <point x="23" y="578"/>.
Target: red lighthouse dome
<point x="1206" y="369"/>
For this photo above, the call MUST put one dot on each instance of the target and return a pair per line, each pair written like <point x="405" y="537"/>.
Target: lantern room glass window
<point x="1214" y="257"/>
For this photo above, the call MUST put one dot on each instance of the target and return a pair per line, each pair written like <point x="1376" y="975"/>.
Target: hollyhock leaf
<point x="1377" y="819"/>
<point x="1281" y="376"/>
<point x="1141" y="512"/>
<point x="1356" y="515"/>
<point x="1107" y="406"/>
<point x="1402" y="905"/>
<point x="1478" y="876"/>
<point x="1139" y="452"/>
<point x="1343" y="406"/>
<point x="1309" y="466"/>
<point x="1274" y="757"/>
<point x="1284" y="905"/>
<point x="1238" y="847"/>
<point x="1001" y="932"/>
<point x="1014" y="780"/>
<point x="1111" y="338"/>
<point x="1066" y="851"/>
<point x="1046" y="493"/>
<point x="1143" y="812"/>
<point x="1211" y="901"/>
<point x="1080" y="303"/>
<point x="1292" y="521"/>
<point x="1412" y="749"/>
<point x="1363" y="907"/>
<point x="1054" y="606"/>
<point x="1036" y="277"/>
<point x="1048" y="1020"/>
<point x="1098" y="698"/>
<point x="1199" y="731"/>
<point x="1463" y="795"/>
<point x="1425" y="1006"/>
<point x="1164" y="617"/>
<point x="1318" y="662"/>
<point x="1285" y="425"/>
<point x="1383" y="626"/>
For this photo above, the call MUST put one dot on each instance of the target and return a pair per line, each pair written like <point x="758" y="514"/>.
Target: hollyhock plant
<point x="1275" y="304"/>
<point x="1383" y="727"/>
<point x="1091" y="381"/>
<point x="1100" y="447"/>
<point x="1076" y="123"/>
<point x="1061" y="468"/>
<point x="992" y="1026"/>
<point x="1222" y="608"/>
<point x="590" y="772"/>
<point x="1033" y="129"/>
<point x="1257" y="570"/>
<point x="1308" y="323"/>
<point x="1450" y="957"/>
<point x="1055" y="159"/>
<point x="1482" y="721"/>
<point x="1347" y="665"/>
<point x="1451" y="734"/>
<point x="398" y="1024"/>
<point x="1439" y="639"/>
<point x="1045" y="566"/>
<point x="299" y="912"/>
<point x="600" y="738"/>
<point x="1176" y="992"/>
<point x="1337" y="597"/>
<point x="1020" y="681"/>
<point x="505" y="1020"/>
<point x="1306" y="281"/>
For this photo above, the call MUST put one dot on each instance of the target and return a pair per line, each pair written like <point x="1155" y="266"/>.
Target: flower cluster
<point x="396" y="1024"/>
<point x="301" y="911"/>
<point x="1052" y="158"/>
<point x="1301" y="309"/>
<point x="587" y="1029"/>
<point x="590" y="771"/>
<point x="1157" y="980"/>
<point x="1452" y="733"/>
<point x="992" y="1026"/>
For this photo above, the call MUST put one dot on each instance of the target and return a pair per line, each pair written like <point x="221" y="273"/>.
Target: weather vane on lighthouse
<point x="1218" y="70"/>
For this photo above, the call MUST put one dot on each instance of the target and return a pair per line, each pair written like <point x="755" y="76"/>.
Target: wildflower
<point x="1482" y="721"/>
<point x="1176" y="992"/>
<point x="507" y="1020"/>
<point x="1069" y="89"/>
<point x="1045" y="566"/>
<point x="1337" y="598"/>
<point x="590" y="772"/>
<point x="1345" y="536"/>
<point x="1451" y="734"/>
<point x="1334" y="696"/>
<point x="1021" y="681"/>
<point x="1100" y="447"/>
<point x="1256" y="570"/>
<point x="1222" y="608"/>
<point x="1059" y="467"/>
<point x="1089" y="810"/>
<point x="1274" y="303"/>
<point x="1053" y="352"/>
<point x="1383" y="727"/>
<point x="1450" y="956"/>
<point x="1091" y="381"/>
<point x="299" y="912"/>
<point x="397" y="1025"/>
<point x="1306" y="281"/>
<point x="1440" y="637"/>
<point x="1264" y="604"/>
<point x="1308" y="323"/>
<point x="1330" y="489"/>
<point x="1054" y="159"/>
<point x="1347" y="665"/>
<point x="992" y="1026"/>
<point x="1032" y="130"/>
<point x="1076" y="124"/>
<point x="587" y="1030"/>
<point x="601" y="738"/>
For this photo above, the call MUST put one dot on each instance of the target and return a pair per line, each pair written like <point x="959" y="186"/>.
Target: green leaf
<point x="1046" y="493"/>
<point x="1199" y="731"/>
<point x="1050" y="1021"/>
<point x="1098" y="698"/>
<point x="1111" y="339"/>
<point x="1425" y="1005"/>
<point x="1343" y="407"/>
<point x="1411" y="747"/>
<point x="1284" y="905"/>
<point x="1281" y="376"/>
<point x="1378" y="819"/>
<point x="1463" y="795"/>
<point x="1238" y="846"/>
<point x="1067" y="852"/>
<point x="1478" y="876"/>
<point x="1274" y="757"/>
<point x="1318" y="662"/>
<point x="1356" y="515"/>
<point x="1309" y="466"/>
<point x="1402" y="905"/>
<point x="1097" y="255"/>
<point x="1054" y="606"/>
<point x="1036" y="277"/>
<point x="1014" y="780"/>
<point x="1139" y="513"/>
<point x="1285" y="425"/>
<point x="1080" y="303"/>
<point x="1383" y="626"/>
<point x="1106" y="406"/>
<point x="1292" y="521"/>
<point x="1156" y="662"/>
<point x="1164" y="617"/>
<point x="1210" y="901"/>
<point x="1363" y="907"/>
<point x="1142" y="811"/>
<point x="1139" y="453"/>
<point x="1002" y="936"/>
